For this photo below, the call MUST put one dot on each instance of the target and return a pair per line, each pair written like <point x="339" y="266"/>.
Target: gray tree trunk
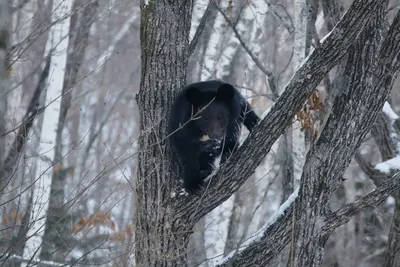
<point x="57" y="235"/>
<point x="161" y="237"/>
<point x="165" y="218"/>
<point x="353" y="115"/>
<point x="4" y="80"/>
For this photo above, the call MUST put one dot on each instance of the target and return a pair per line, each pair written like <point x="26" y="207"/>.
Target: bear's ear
<point x="225" y="92"/>
<point x="194" y="96"/>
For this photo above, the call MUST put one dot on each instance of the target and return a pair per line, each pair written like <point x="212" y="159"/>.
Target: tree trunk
<point x="353" y="114"/>
<point x="165" y="218"/>
<point x="58" y="228"/>
<point x="164" y="34"/>
<point x="4" y="81"/>
<point x="43" y="176"/>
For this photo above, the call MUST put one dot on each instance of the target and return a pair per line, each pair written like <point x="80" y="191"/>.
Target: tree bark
<point x="165" y="218"/>
<point x="392" y="257"/>
<point x="353" y="115"/>
<point x="164" y="34"/>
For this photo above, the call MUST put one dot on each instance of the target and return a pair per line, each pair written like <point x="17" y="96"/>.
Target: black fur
<point x="222" y="111"/>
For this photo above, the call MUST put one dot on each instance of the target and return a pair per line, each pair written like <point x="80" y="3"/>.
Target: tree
<point x="4" y="81"/>
<point x="166" y="218"/>
<point x="41" y="188"/>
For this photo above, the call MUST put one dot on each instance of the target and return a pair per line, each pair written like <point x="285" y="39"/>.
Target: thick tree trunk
<point x="164" y="35"/>
<point x="165" y="219"/>
<point x="353" y="114"/>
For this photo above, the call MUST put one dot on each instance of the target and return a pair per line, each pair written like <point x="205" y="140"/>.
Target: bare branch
<point x="367" y="202"/>
<point x="270" y="75"/>
<point x="192" y="46"/>
<point x="346" y="128"/>
<point x="286" y="22"/>
<point x="33" y="110"/>
<point x="392" y="254"/>
<point x="20" y="5"/>
<point x="232" y="175"/>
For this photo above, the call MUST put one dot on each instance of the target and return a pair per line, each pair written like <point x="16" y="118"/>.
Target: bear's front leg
<point x="197" y="169"/>
<point x="230" y="147"/>
<point x="193" y="179"/>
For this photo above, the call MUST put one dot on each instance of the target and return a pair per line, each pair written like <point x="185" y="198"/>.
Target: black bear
<point x="204" y="123"/>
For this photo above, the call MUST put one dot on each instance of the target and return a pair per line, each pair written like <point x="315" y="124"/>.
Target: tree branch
<point x="274" y="236"/>
<point x="367" y="202"/>
<point x="232" y="175"/>
<point x="353" y="115"/>
<point x="33" y="110"/>
<point x="192" y="46"/>
<point x="287" y="23"/>
<point x="270" y="75"/>
<point x="376" y="176"/>
<point x="331" y="155"/>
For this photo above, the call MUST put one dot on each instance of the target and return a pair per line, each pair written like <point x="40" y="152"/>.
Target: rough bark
<point x="165" y="218"/>
<point x="353" y="115"/>
<point x="392" y="257"/>
<point x="160" y="239"/>
<point x="232" y="175"/>
<point x="381" y="133"/>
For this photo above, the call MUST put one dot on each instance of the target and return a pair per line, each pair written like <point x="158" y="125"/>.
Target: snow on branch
<point x="393" y="163"/>
<point x="389" y="165"/>
<point x="248" y="157"/>
<point x="263" y="231"/>
<point x="387" y="109"/>
<point x="32" y="262"/>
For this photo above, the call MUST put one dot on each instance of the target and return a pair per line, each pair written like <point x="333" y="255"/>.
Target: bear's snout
<point x="217" y="136"/>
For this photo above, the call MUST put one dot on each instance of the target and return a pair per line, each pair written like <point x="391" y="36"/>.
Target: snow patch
<point x="260" y="233"/>
<point x="325" y="37"/>
<point x="387" y="166"/>
<point x="387" y="109"/>
<point x="265" y="113"/>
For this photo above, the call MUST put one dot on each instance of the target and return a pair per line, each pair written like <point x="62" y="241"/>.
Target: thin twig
<point x="269" y="74"/>
<point x="200" y="28"/>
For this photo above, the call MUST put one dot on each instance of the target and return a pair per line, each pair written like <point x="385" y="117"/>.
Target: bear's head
<point x="212" y="110"/>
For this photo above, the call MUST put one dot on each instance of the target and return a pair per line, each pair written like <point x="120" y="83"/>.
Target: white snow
<point x="387" y="166"/>
<point x="325" y="37"/>
<point x="266" y="112"/>
<point x="34" y="262"/>
<point x="394" y="163"/>
<point x="387" y="109"/>
<point x="260" y="233"/>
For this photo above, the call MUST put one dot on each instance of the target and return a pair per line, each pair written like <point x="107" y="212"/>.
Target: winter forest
<point x="86" y="170"/>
